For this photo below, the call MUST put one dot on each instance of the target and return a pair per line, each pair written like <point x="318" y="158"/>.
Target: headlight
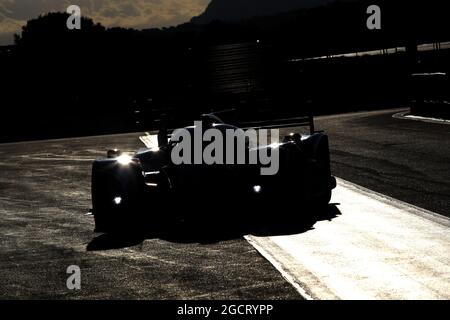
<point x="124" y="159"/>
<point x="257" y="189"/>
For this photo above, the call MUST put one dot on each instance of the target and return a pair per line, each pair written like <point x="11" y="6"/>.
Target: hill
<point x="234" y="10"/>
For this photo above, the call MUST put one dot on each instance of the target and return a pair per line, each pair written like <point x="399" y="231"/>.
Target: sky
<point x="139" y="14"/>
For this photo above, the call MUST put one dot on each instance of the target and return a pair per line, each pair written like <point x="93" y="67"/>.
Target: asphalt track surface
<point x="45" y="195"/>
<point x="44" y="198"/>
<point x="405" y="159"/>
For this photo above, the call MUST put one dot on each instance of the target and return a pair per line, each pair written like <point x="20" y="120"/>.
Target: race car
<point x="130" y="191"/>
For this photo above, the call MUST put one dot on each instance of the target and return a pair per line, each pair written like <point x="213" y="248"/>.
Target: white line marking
<point x="404" y="116"/>
<point x="280" y="268"/>
<point x="149" y="140"/>
<point x="379" y="248"/>
<point x="407" y="207"/>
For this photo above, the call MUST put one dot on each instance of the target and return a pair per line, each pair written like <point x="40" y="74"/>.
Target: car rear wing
<point x="297" y="121"/>
<point x="229" y="117"/>
<point x="282" y="123"/>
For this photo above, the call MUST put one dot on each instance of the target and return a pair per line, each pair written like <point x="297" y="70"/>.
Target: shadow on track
<point x="221" y="229"/>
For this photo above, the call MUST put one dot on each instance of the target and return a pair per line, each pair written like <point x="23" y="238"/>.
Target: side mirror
<point x="295" y="137"/>
<point x="113" y="153"/>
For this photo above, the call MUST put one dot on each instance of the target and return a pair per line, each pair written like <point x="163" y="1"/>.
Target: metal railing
<point x="420" y="48"/>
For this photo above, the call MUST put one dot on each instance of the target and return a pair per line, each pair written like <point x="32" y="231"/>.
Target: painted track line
<point x="379" y="248"/>
<point x="406" y="116"/>
<point x="149" y="140"/>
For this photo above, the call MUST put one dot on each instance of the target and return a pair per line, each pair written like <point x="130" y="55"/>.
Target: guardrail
<point x="386" y="51"/>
